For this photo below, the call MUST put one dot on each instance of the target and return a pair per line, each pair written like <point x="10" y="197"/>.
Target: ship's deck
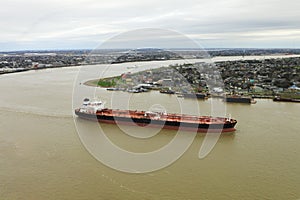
<point x="165" y="117"/>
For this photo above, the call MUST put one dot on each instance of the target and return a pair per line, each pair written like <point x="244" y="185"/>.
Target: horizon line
<point x="209" y="48"/>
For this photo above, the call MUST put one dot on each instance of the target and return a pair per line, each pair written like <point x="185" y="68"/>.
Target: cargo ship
<point x="239" y="99"/>
<point x="194" y="95"/>
<point x="95" y="110"/>
<point x="286" y="99"/>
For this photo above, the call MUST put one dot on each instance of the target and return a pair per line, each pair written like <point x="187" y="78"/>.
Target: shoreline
<point x="214" y="59"/>
<point x="111" y="82"/>
<point x="92" y="83"/>
<point x="33" y="69"/>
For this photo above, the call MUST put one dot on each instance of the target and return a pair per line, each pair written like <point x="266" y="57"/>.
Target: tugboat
<point x="95" y="110"/>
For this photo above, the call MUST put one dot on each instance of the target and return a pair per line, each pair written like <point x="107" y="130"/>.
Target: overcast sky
<point x="67" y="24"/>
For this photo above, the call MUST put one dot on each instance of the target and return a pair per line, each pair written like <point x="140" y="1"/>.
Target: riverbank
<point x="105" y="82"/>
<point x="33" y="69"/>
<point x="269" y="82"/>
<point x="215" y="58"/>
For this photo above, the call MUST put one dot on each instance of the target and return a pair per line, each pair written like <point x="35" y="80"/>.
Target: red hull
<point x="201" y="130"/>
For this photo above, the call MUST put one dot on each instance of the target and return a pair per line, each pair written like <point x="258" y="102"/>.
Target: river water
<point x="42" y="157"/>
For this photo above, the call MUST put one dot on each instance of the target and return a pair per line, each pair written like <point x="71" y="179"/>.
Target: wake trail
<point x="44" y="113"/>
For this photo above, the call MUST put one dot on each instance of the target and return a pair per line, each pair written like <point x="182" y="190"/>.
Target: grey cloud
<point x="85" y="24"/>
